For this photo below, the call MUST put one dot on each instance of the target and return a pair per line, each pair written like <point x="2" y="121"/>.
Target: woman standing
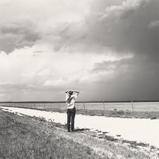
<point x="71" y="109"/>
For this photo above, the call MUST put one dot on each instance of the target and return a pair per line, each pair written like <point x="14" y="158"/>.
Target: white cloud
<point x="117" y="10"/>
<point x="38" y="66"/>
<point x="32" y="70"/>
<point x="42" y="11"/>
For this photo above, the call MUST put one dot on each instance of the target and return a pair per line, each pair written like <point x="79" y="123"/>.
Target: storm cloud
<point x="125" y="27"/>
<point x="107" y="49"/>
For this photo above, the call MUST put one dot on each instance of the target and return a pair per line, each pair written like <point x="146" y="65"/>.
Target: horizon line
<point x="83" y="101"/>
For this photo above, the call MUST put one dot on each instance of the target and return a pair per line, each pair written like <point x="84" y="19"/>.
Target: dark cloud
<point x="132" y="79"/>
<point x="120" y="25"/>
<point x="127" y="28"/>
<point x="17" y="35"/>
<point x="124" y="27"/>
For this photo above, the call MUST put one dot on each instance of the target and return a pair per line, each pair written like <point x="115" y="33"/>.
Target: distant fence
<point x="101" y="106"/>
<point x="129" y="106"/>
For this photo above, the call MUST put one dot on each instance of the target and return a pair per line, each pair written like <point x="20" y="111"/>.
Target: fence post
<point x="132" y="105"/>
<point x="103" y="108"/>
<point x="84" y="107"/>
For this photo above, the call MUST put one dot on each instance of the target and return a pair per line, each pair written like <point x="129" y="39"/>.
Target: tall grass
<point x="24" y="138"/>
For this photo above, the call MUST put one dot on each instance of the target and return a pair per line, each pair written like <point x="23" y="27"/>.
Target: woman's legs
<point x="68" y="119"/>
<point x="71" y="119"/>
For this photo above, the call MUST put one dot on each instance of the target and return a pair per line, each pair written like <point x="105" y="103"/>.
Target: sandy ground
<point x="140" y="130"/>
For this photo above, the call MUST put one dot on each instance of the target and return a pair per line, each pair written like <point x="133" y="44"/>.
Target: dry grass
<point x="23" y="137"/>
<point x="121" y="114"/>
<point x="26" y="138"/>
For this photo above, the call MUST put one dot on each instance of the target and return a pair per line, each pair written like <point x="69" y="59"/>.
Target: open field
<point x="31" y="137"/>
<point x="124" y="110"/>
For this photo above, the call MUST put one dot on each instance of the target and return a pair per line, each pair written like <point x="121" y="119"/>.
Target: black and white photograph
<point x="79" y="79"/>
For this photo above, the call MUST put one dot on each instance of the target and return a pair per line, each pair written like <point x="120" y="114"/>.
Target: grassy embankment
<point x="28" y="138"/>
<point x="23" y="137"/>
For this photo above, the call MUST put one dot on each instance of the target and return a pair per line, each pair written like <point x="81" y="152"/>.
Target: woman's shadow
<point x="80" y="130"/>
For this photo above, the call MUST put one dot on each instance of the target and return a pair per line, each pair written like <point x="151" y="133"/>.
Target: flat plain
<point x="117" y="109"/>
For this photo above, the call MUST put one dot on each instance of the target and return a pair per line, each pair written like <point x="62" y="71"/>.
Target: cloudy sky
<point x="106" y="49"/>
